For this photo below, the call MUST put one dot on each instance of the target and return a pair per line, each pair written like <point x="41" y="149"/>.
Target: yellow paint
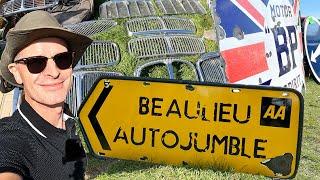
<point x="275" y="115"/>
<point x="270" y="112"/>
<point x="280" y="113"/>
<point x="119" y="118"/>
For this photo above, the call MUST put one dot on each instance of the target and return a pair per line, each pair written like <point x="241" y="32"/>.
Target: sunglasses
<point x="36" y="64"/>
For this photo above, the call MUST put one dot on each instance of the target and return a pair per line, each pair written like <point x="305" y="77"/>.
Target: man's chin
<point x="51" y="100"/>
<point x="52" y="104"/>
<point x="47" y="98"/>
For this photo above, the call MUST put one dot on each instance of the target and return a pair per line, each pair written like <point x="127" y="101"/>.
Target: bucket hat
<point x="33" y="26"/>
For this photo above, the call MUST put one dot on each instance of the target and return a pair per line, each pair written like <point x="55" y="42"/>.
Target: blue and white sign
<point x="312" y="44"/>
<point x="261" y="42"/>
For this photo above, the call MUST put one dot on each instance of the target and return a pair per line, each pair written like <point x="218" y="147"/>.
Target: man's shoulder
<point x="14" y="136"/>
<point x="15" y="146"/>
<point x="13" y="126"/>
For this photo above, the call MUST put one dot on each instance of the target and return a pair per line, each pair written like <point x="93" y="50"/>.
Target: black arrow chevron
<point x="93" y="118"/>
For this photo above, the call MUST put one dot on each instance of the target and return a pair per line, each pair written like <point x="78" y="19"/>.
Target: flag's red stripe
<point x="245" y="61"/>
<point x="251" y="10"/>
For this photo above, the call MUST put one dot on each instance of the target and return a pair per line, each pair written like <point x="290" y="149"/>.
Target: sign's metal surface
<point x="312" y="44"/>
<point x="248" y="128"/>
<point x="261" y="41"/>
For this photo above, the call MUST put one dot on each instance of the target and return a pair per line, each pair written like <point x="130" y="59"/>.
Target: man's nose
<point x="52" y="69"/>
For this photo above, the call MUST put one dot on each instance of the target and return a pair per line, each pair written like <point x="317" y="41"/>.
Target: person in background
<point x="39" y="140"/>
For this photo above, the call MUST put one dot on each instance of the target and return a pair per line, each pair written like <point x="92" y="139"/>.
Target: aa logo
<point x="275" y="112"/>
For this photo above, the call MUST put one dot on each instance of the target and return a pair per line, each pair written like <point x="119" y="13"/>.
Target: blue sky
<point x="310" y="8"/>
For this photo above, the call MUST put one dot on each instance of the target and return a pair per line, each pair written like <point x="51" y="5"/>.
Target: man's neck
<point x="52" y="114"/>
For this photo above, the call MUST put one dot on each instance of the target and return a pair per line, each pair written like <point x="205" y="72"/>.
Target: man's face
<point x="50" y="86"/>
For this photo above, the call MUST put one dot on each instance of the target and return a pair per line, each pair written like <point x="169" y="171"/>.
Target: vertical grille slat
<point x="126" y="8"/>
<point x="13" y="7"/>
<point x="211" y="68"/>
<point x="99" y="54"/>
<point x="89" y="28"/>
<point x="165" y="45"/>
<point x="180" y="6"/>
<point x="160" y="25"/>
<point x="82" y="83"/>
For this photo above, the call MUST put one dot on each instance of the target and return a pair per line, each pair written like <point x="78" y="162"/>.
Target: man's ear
<point x="13" y="69"/>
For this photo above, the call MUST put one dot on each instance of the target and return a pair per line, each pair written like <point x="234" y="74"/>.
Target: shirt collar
<point x="37" y="123"/>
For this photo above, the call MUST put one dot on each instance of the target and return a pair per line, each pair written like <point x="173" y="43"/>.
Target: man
<point x="39" y="140"/>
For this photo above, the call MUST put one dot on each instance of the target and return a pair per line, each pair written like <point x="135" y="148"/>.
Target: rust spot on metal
<point x="144" y="158"/>
<point x="280" y="164"/>
<point x="269" y="54"/>
<point x="238" y="33"/>
<point x="101" y="153"/>
<point x="189" y="87"/>
<point x="145" y="83"/>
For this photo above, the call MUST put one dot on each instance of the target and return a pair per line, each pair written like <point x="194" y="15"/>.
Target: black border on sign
<point x="187" y="82"/>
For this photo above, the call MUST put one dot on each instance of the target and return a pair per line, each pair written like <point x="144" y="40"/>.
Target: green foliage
<point x="157" y="71"/>
<point x="211" y="46"/>
<point x="128" y="62"/>
<point x="183" y="72"/>
<point x="119" y="35"/>
<point x="158" y="12"/>
<point x="203" y="22"/>
<point x="122" y="169"/>
<point x="310" y="160"/>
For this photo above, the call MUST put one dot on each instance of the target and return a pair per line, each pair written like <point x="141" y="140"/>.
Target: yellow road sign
<point x="250" y="129"/>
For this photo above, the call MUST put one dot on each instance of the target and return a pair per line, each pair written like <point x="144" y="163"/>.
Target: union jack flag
<point x="247" y="57"/>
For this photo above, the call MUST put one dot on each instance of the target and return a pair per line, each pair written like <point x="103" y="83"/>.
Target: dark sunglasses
<point x="36" y="64"/>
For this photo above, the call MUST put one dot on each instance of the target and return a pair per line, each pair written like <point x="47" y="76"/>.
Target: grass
<point x="128" y="63"/>
<point x="121" y="169"/>
<point x="309" y="167"/>
<point x="310" y="159"/>
<point x="119" y="35"/>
